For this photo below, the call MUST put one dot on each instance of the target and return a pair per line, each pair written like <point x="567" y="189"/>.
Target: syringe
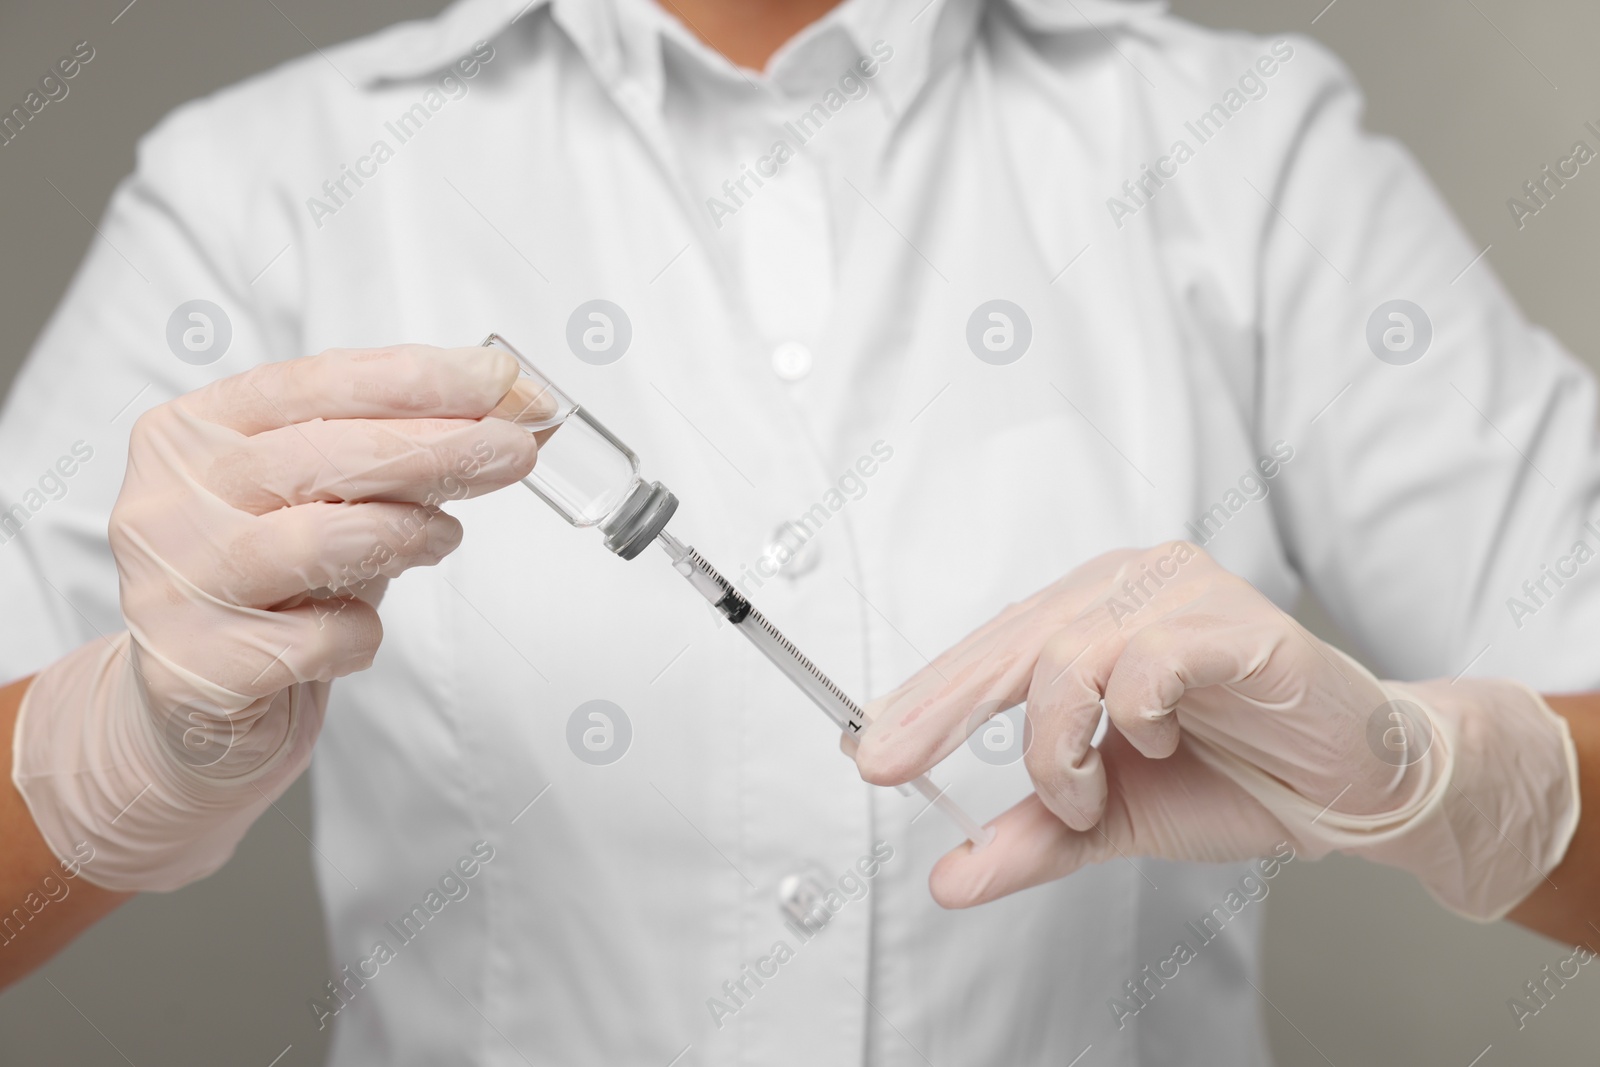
<point x="846" y="713"/>
<point x="591" y="478"/>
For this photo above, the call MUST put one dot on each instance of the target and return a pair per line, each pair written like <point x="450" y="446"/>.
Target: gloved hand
<point x="1232" y="729"/>
<point x="258" y="522"/>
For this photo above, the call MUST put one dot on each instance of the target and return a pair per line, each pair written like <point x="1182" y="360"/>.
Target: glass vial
<point x="584" y="472"/>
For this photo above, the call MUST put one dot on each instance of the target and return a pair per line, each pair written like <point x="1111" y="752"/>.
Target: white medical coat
<point x="1180" y="330"/>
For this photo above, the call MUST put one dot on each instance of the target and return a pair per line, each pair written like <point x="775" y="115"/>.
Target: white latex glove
<point x="258" y="522"/>
<point x="1233" y="729"/>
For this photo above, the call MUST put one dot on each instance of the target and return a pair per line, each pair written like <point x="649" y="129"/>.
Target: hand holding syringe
<point x="592" y="479"/>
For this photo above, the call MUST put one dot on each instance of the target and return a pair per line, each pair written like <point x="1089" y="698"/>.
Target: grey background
<point x="1361" y="968"/>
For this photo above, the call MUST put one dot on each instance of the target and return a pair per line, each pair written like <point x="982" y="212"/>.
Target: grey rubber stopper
<point x="639" y="518"/>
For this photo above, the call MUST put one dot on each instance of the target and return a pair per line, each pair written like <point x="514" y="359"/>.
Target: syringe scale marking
<point x="741" y="609"/>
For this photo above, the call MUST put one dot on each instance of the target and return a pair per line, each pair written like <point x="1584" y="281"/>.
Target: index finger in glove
<point x="418" y="460"/>
<point x="403" y="381"/>
<point x="930" y="715"/>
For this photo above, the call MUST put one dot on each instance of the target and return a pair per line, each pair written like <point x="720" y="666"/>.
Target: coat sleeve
<point x="1442" y="501"/>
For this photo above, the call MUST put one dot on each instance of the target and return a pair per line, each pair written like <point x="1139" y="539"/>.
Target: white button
<point x="791" y="552"/>
<point x="800" y="898"/>
<point x="791" y="361"/>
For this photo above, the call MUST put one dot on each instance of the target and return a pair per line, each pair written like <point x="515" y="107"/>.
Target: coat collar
<point x="622" y="39"/>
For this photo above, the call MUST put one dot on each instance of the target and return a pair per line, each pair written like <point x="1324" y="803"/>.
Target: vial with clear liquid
<point x="584" y="471"/>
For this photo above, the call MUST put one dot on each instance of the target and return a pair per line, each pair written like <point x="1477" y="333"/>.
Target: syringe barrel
<point x="584" y="471"/>
<point x="827" y="696"/>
